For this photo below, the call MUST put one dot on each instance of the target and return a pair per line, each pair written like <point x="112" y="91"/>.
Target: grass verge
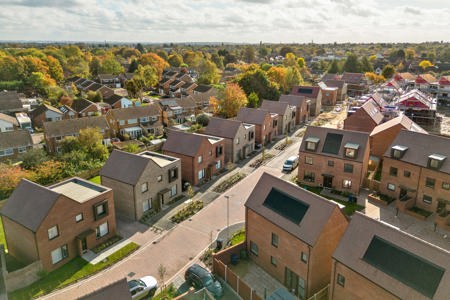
<point x="238" y="237"/>
<point x="95" y="179"/>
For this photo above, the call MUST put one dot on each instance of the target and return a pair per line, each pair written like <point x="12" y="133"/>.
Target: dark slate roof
<point x="9" y="100"/>
<point x="400" y="263"/>
<point x="115" y="290"/>
<point x="113" y="99"/>
<point x="14" y="139"/>
<point x="87" y="83"/>
<point x="125" y="167"/>
<point x="293" y="100"/>
<point x="307" y="91"/>
<point x="73" y="126"/>
<point x="136" y="112"/>
<point x="252" y="115"/>
<point x="94" y="87"/>
<point x="275" y="107"/>
<point x="202" y="88"/>
<point x="81" y="104"/>
<point x="420" y="146"/>
<point x="225" y="128"/>
<point x="307" y="223"/>
<point x="186" y="143"/>
<point x="107" y="76"/>
<point x="42" y="109"/>
<point x="73" y="79"/>
<point x="80" y="81"/>
<point x="348" y="136"/>
<point x="28" y="213"/>
<point x="355" y="78"/>
<point x="330" y="76"/>
<point x="335" y="83"/>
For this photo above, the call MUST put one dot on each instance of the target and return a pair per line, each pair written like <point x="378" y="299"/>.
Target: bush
<point x="106" y="244"/>
<point x="188" y="211"/>
<point x="229" y="182"/>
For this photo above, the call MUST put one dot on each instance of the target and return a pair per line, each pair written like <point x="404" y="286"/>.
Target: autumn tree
<point x="40" y="82"/>
<point x="162" y="54"/>
<point x="375" y="78"/>
<point x="55" y="69"/>
<point x="10" y="176"/>
<point x="301" y="62"/>
<point x="230" y="100"/>
<point x="175" y="60"/>
<point x="290" y="60"/>
<point x="154" y="60"/>
<point x="293" y="78"/>
<point x="388" y="71"/>
<point x="249" y="54"/>
<point x="110" y="66"/>
<point x="278" y="76"/>
<point x="253" y="100"/>
<point x="10" y="68"/>
<point x="425" y="64"/>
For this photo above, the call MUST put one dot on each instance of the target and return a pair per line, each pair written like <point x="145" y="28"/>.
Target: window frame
<point x="406" y="173"/>
<point x="79" y="220"/>
<point x="149" y="204"/>
<point x="348" y="168"/>
<point x="309" y="144"/>
<point x="340" y="279"/>
<point x="330" y="163"/>
<point x="254" y="248"/>
<point x="200" y="159"/>
<point x="429" y="202"/>
<point x="393" y="171"/>
<point x="430" y="182"/>
<point x="309" y="160"/>
<point x="273" y="261"/>
<point x="347" y="183"/>
<point x="274" y="240"/>
<point x="144" y="187"/>
<point x="105" y="212"/>
<point x="391" y="187"/>
<point x="53" y="236"/>
<point x="445" y="185"/>
<point x="304" y="257"/>
<point x="64" y="253"/>
<point x="98" y="233"/>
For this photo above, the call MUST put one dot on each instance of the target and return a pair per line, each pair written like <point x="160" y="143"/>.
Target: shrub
<point x="188" y="211"/>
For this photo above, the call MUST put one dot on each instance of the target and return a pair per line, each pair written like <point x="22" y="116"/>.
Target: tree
<point x="10" y="68"/>
<point x="278" y="75"/>
<point x="193" y="59"/>
<point x="133" y="66"/>
<point x="40" y="82"/>
<point x="148" y="74"/>
<point x="208" y="72"/>
<point x="285" y="50"/>
<point x="33" y="158"/>
<point x="249" y="54"/>
<point x="175" y="60"/>
<point x="10" y="177"/>
<point x="366" y="66"/>
<point x="388" y="71"/>
<point x="217" y="59"/>
<point x="410" y="53"/>
<point x="54" y="68"/>
<point x="293" y="78"/>
<point x="94" y="66"/>
<point x="111" y="66"/>
<point x="77" y="66"/>
<point x="140" y="48"/>
<point x="154" y="60"/>
<point x="301" y="62"/>
<point x="253" y="100"/>
<point x="352" y="64"/>
<point x="94" y="96"/>
<point x="425" y="64"/>
<point x="257" y="81"/>
<point x="203" y="120"/>
<point x="231" y="99"/>
<point x="162" y="54"/>
<point x="290" y="60"/>
<point x="90" y="140"/>
<point x="374" y="78"/>
<point x="132" y="148"/>
<point x="333" y="68"/>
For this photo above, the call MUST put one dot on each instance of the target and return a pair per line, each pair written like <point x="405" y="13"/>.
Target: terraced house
<point x="57" y="223"/>
<point x="266" y="123"/>
<point x="14" y="143"/>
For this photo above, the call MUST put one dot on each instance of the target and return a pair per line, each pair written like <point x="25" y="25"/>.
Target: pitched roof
<point x="419" y="96"/>
<point x="14" y="139"/>
<point x="420" y="147"/>
<point x="65" y="109"/>
<point x="275" y="106"/>
<point x="203" y="88"/>
<point x="372" y="110"/>
<point x="297" y="211"/>
<point x="307" y="91"/>
<point x="80" y="105"/>
<point x="87" y="83"/>
<point x="115" y="290"/>
<point x="225" y="128"/>
<point x="113" y="99"/>
<point x="9" y="100"/>
<point x="252" y="115"/>
<point x="43" y="108"/>
<point x="186" y="143"/>
<point x="9" y="119"/>
<point x="378" y="98"/>
<point x="94" y="87"/>
<point x="136" y="112"/>
<point x="293" y="100"/>
<point x="330" y="76"/>
<point x="332" y="141"/>
<point x="334" y="83"/>
<point x="398" y="262"/>
<point x="125" y="167"/>
<point x="73" y="126"/>
<point x="355" y="78"/>
<point x="28" y="213"/>
<point x="403" y="120"/>
<point x="107" y="76"/>
<point x="407" y="76"/>
<point x="428" y="78"/>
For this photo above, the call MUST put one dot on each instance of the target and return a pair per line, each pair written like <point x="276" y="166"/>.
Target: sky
<point x="240" y="21"/>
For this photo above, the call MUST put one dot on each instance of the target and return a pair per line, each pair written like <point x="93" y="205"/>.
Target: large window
<point x="311" y="146"/>
<point x="59" y="254"/>
<point x="147" y="205"/>
<point x="274" y="240"/>
<point x="348" y="168"/>
<point x="173" y="190"/>
<point x="430" y="182"/>
<point x="102" y="230"/>
<point x="144" y="187"/>
<point x="346" y="183"/>
<point x="6" y="152"/>
<point x="308" y="160"/>
<point x="201" y="173"/>
<point x="254" y="248"/>
<point x="309" y="176"/>
<point x="173" y="174"/>
<point x="53" y="232"/>
<point x="393" y="171"/>
<point x="101" y="210"/>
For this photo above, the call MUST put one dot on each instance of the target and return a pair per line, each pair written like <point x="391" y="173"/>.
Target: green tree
<point x="40" y="82"/>
<point x="111" y="66"/>
<point x="249" y="54"/>
<point x="203" y="120"/>
<point x="162" y="54"/>
<point x="334" y="67"/>
<point x="258" y="82"/>
<point x="94" y="66"/>
<point x="133" y="66"/>
<point x="175" y="60"/>
<point x="10" y="68"/>
<point x="293" y="78"/>
<point x="352" y="64"/>
<point x="90" y="140"/>
<point x="140" y="48"/>
<point x="218" y="60"/>
<point x="253" y="100"/>
<point x="366" y="66"/>
<point x="55" y="69"/>
<point x="290" y="60"/>
<point x="94" y="96"/>
<point x="301" y="62"/>
<point x="208" y="72"/>
<point x="33" y="158"/>
<point x="388" y="71"/>
<point x="148" y="74"/>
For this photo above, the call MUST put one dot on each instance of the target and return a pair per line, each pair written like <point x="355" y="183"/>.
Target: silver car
<point x="144" y="287"/>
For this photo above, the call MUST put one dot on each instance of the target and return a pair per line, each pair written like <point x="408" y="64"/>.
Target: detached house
<point x="116" y="101"/>
<point x="377" y="261"/>
<point x="136" y="121"/>
<point x="285" y="112"/>
<point x="405" y="80"/>
<point x="141" y="182"/>
<point x="365" y="118"/>
<point x="202" y="156"/>
<point x="239" y="137"/>
<point x="334" y="158"/>
<point x="110" y="80"/>
<point x="45" y="113"/>
<point x="301" y="105"/>
<point x="313" y="93"/>
<point x="266" y="123"/>
<point x="10" y="103"/>
<point x="57" y="223"/>
<point x="329" y="94"/>
<point x="8" y="123"/>
<point x="416" y="171"/>
<point x="85" y="108"/>
<point x="292" y="233"/>
<point x="14" y="143"/>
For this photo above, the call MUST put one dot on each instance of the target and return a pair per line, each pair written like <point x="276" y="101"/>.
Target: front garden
<point x="229" y="182"/>
<point x="188" y="211"/>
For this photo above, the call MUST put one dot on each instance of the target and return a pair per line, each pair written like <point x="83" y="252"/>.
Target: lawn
<point x="238" y="237"/>
<point x="95" y="179"/>
<point x="2" y="234"/>
<point x="71" y="272"/>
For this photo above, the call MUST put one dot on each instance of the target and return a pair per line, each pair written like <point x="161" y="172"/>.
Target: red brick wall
<point x="359" y="121"/>
<point x="380" y="142"/>
<point x="20" y="241"/>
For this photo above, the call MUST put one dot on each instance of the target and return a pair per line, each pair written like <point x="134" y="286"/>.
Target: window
<point x="273" y="261"/>
<point x="308" y="160"/>
<point x="79" y="218"/>
<point x="393" y="171"/>
<point x="173" y="174"/>
<point x="311" y="146"/>
<point x="6" y="152"/>
<point x="219" y="151"/>
<point x="304" y="257"/>
<point x="309" y="176"/>
<point x="331" y="163"/>
<point x="348" y="168"/>
<point x="53" y="232"/>
<point x="446" y="185"/>
<point x="22" y="149"/>
<point x="144" y="187"/>
<point x="159" y="178"/>
<point x="237" y="141"/>
<point x="351" y="153"/>
<point x="434" y="163"/>
<point x="391" y="187"/>
<point x="201" y="173"/>
<point x="121" y="122"/>
<point x="200" y="159"/>
<point x="59" y="254"/>
<point x="340" y="280"/>
<point x="274" y="240"/>
<point x="427" y="199"/>
<point x="254" y="248"/>
<point x="218" y="165"/>
<point x="102" y="230"/>
<point x="429" y="182"/>
<point x="173" y="190"/>
<point x="100" y="210"/>
<point x="346" y="183"/>
<point x="147" y="205"/>
<point x="407" y="174"/>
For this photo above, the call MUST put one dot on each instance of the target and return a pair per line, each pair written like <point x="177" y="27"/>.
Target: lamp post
<point x="228" y="216"/>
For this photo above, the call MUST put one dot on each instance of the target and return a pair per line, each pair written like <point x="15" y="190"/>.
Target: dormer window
<point x="435" y="161"/>
<point x="311" y="143"/>
<point x="351" y="150"/>
<point x="398" y="151"/>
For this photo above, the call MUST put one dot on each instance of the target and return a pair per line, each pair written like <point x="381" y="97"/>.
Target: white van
<point x="291" y="163"/>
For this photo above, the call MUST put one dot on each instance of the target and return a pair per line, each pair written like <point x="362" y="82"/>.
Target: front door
<point x="83" y="245"/>
<point x="327" y="181"/>
<point x="403" y="193"/>
<point x="294" y="283"/>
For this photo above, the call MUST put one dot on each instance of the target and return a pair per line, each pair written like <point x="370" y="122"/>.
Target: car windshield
<point x="288" y="162"/>
<point x="207" y="280"/>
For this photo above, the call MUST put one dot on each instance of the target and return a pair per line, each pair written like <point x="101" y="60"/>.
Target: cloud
<point x="412" y="10"/>
<point x="257" y="1"/>
<point x="43" y="3"/>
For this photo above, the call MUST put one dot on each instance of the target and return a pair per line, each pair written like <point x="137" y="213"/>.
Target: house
<point x="239" y="137"/>
<point x="365" y="118"/>
<point x="57" y="223"/>
<point x="292" y="233"/>
<point x="377" y="261"/>
<point x="116" y="101"/>
<point x="443" y="95"/>
<point x="418" y="106"/>
<point x="301" y="105"/>
<point x="329" y="94"/>
<point x="333" y="158"/>
<point x="416" y="172"/>
<point x="110" y="80"/>
<point x="116" y="290"/>
<point x="10" y="103"/>
<point x="136" y="121"/>
<point x="285" y="112"/>
<point x="85" y="108"/>
<point x="7" y="123"/>
<point x="68" y="112"/>
<point x="384" y="134"/>
<point x="55" y="132"/>
<point x="313" y="93"/>
<point x="142" y="182"/>
<point x="45" y="113"/>
<point x="188" y="88"/>
<point x="427" y="83"/>
<point x="202" y="156"/>
<point x="164" y="85"/>
<point x="24" y="121"/>
<point x="14" y="143"/>
<point x="201" y="95"/>
<point x="406" y="80"/>
<point x="356" y="83"/>
<point x="341" y="88"/>
<point x="266" y="123"/>
<point x="330" y="76"/>
<point x="178" y="109"/>
<point x="175" y="88"/>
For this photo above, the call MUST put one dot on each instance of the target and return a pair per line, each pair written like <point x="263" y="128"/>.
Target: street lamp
<point x="228" y="216"/>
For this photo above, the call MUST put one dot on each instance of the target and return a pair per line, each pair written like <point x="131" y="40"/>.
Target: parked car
<point x="199" y="277"/>
<point x="144" y="287"/>
<point x="291" y="163"/>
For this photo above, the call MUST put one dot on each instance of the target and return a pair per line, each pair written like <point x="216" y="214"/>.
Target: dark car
<point x="199" y="277"/>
